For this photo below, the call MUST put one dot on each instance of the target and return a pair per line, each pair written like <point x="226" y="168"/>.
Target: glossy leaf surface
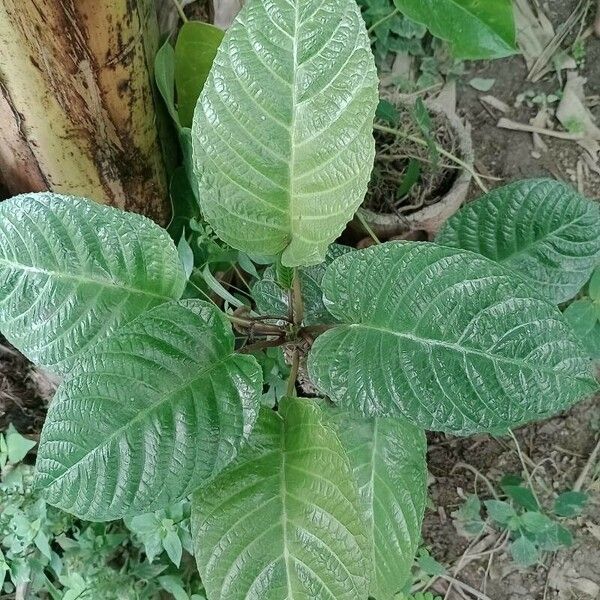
<point x="285" y="520"/>
<point x="149" y="415"/>
<point x="195" y="50"/>
<point x="542" y="229"/>
<point x="474" y="28"/>
<point x="283" y="144"/>
<point x="388" y="462"/>
<point x="273" y="299"/>
<point x="73" y="271"/>
<point x="447" y="338"/>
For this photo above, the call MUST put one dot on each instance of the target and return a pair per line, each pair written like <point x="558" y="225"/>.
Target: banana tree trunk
<point x="77" y="111"/>
<point x="225" y="12"/>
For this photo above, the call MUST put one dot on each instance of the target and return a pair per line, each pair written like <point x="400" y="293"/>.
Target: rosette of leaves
<point x="160" y="400"/>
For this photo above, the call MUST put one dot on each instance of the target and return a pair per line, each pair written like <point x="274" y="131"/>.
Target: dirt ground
<point x="561" y="446"/>
<point x="508" y="154"/>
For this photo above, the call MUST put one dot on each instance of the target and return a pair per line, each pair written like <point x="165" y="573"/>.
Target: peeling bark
<point x="77" y="111"/>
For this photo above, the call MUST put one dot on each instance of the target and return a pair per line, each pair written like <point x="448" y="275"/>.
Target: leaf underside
<point x="284" y="522"/>
<point x="282" y="133"/>
<point x="474" y="29"/>
<point x="73" y="271"/>
<point x="150" y="415"/>
<point x="447" y="338"/>
<point x="542" y="229"/>
<point x="388" y="461"/>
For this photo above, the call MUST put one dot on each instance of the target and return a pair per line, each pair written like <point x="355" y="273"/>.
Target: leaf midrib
<point x="292" y="216"/>
<point x="84" y="279"/>
<point x="141" y="415"/>
<point x="460" y="349"/>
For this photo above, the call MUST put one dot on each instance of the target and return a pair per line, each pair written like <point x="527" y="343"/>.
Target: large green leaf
<point x="282" y="134"/>
<point x="72" y="271"/>
<point x="149" y="415"/>
<point x="474" y="28"/>
<point x="542" y="229"/>
<point x="272" y="299"/>
<point x="445" y="337"/>
<point x="284" y="522"/>
<point x="195" y="50"/>
<point x="388" y="460"/>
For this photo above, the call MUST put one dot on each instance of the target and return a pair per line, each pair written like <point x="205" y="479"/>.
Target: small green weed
<point x="530" y="529"/>
<point x="46" y="553"/>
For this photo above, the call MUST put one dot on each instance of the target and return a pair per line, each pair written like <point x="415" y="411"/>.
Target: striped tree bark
<point x="77" y="112"/>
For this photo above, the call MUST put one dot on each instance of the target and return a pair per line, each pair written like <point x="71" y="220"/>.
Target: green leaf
<point x="428" y="564"/>
<point x="447" y="338"/>
<point x="511" y="479"/>
<point x="273" y="299"/>
<point x="524" y="552"/>
<point x="72" y="272"/>
<point x="388" y="460"/>
<point x="595" y="285"/>
<point x="285" y="520"/>
<point x="184" y="206"/>
<point x="172" y="545"/>
<point x="172" y="584"/>
<point x="195" y="50"/>
<point x="582" y="316"/>
<point x="467" y="519"/>
<point x="283" y="144"/>
<point x="500" y="511"/>
<point x="482" y="84"/>
<point x="17" y="446"/>
<point x="386" y="111"/>
<point x="570" y="504"/>
<point x="474" y="29"/>
<point x="543" y="229"/>
<point x="423" y="120"/>
<point x="164" y="75"/>
<point x="553" y="538"/>
<point x="536" y="522"/>
<point x="150" y="415"/>
<point x="521" y="496"/>
<point x="186" y="256"/>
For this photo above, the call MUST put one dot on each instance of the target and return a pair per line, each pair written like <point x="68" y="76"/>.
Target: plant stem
<point x="250" y="348"/>
<point x="297" y="315"/>
<point x="297" y="303"/>
<point x="180" y="10"/>
<point x="588" y="465"/>
<point x="524" y="465"/>
<point x="367" y="227"/>
<point x="382" y="20"/>
<point x="314" y="330"/>
<point x="291" y="382"/>
<point x="257" y="327"/>
<point x="441" y="150"/>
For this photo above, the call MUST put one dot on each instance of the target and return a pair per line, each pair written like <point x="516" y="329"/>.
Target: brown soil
<point x="24" y="391"/>
<point x="558" y="450"/>
<point x="508" y="154"/>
